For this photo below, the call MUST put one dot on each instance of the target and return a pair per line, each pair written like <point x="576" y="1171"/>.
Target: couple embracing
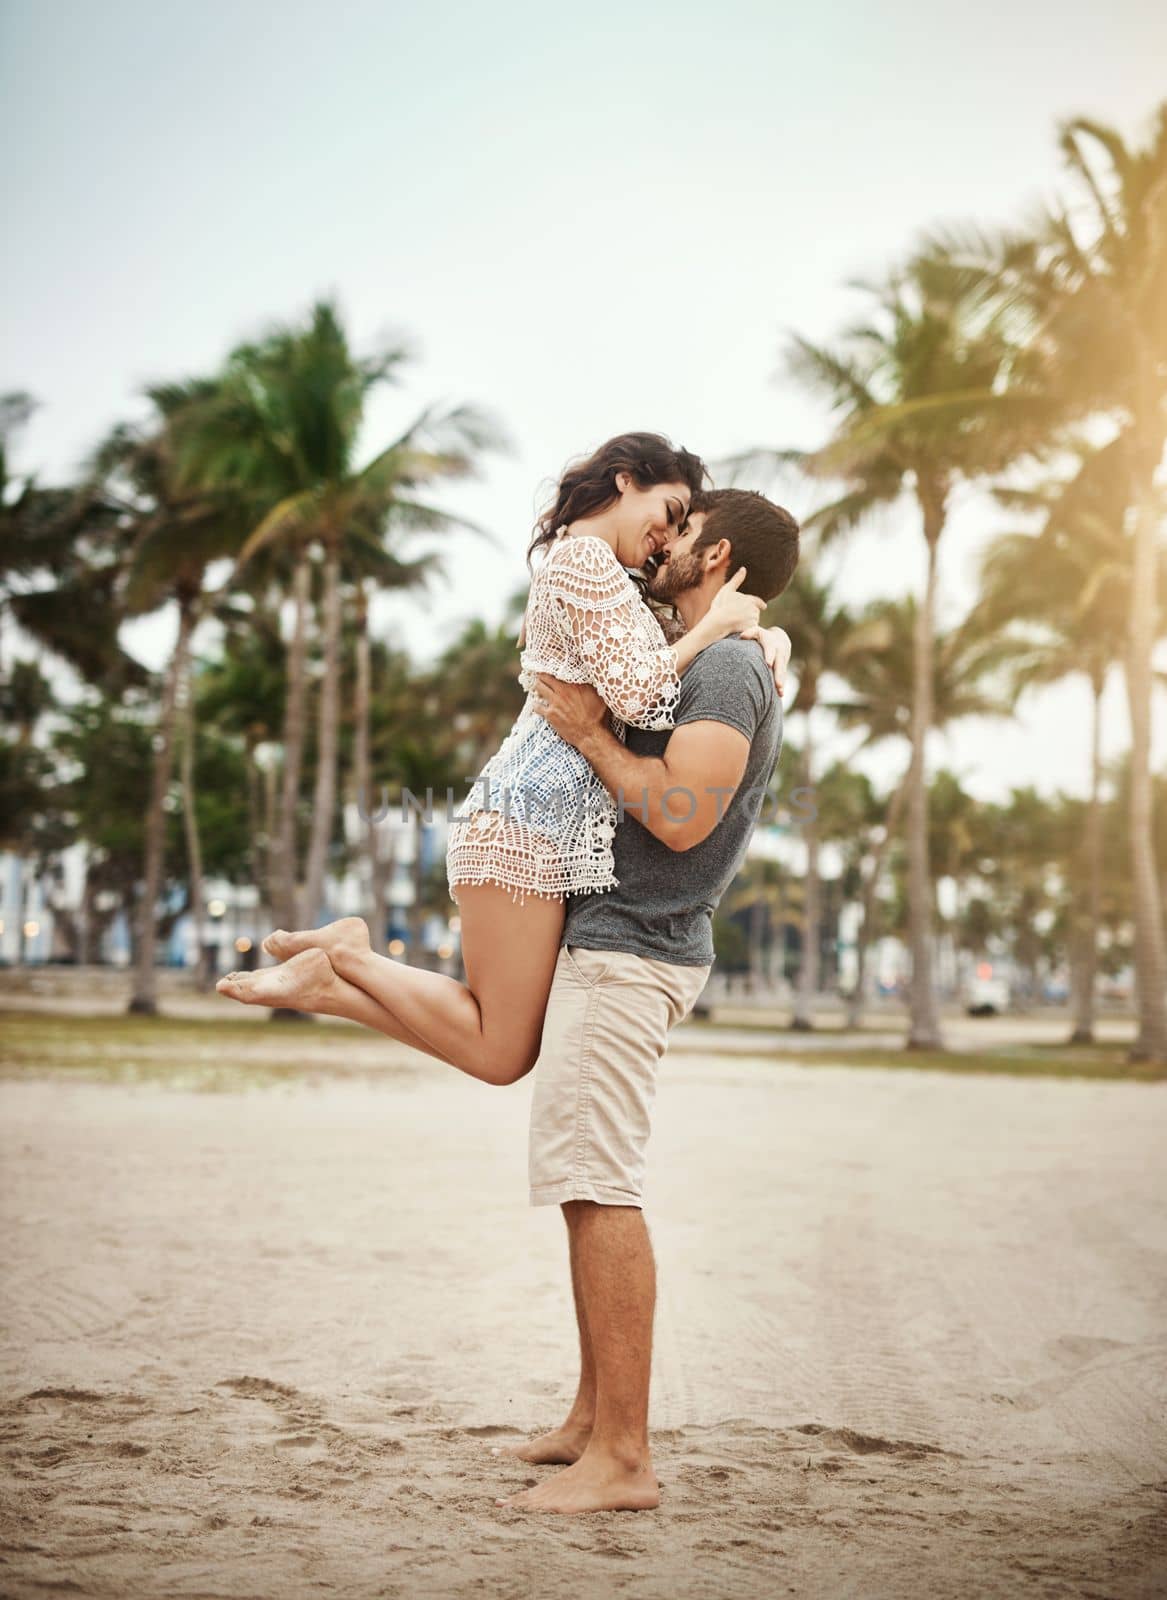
<point x="586" y="864"/>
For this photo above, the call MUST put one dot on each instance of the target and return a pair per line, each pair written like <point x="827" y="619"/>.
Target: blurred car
<point x="987" y="997"/>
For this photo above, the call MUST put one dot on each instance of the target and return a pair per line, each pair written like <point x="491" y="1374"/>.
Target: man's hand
<point x="574" y="710"/>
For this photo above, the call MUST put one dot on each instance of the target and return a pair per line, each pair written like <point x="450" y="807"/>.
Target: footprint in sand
<point x="866" y="1444"/>
<point x="1073" y="1350"/>
<point x="257" y="1388"/>
<point x="64" y="1394"/>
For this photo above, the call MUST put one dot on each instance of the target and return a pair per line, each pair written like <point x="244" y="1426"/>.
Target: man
<point x="632" y="963"/>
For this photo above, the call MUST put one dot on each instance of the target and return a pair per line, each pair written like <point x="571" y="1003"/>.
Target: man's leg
<point x="591" y="1114"/>
<point x="566" y="1443"/>
<point x="617" y="1281"/>
<point x="583" y="1408"/>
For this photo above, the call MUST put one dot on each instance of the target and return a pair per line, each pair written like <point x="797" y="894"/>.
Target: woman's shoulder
<point x="586" y="557"/>
<point x="582" y="547"/>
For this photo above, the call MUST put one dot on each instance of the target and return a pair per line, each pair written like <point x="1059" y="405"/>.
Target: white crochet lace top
<point x="538" y="820"/>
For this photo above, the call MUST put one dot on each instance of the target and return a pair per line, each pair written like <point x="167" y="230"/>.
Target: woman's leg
<point x="488" y="1027"/>
<point x="309" y="983"/>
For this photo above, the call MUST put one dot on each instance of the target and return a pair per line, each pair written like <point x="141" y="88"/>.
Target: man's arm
<point x="679" y="797"/>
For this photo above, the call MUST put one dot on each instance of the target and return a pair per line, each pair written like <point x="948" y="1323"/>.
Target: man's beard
<point x="677" y="576"/>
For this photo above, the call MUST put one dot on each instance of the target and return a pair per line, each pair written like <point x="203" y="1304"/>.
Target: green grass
<point x="217" y="1054"/>
<point x="779" y="1022"/>
<point x="204" y="1053"/>
<point x="1022" y="1061"/>
<point x="1105" y="1060"/>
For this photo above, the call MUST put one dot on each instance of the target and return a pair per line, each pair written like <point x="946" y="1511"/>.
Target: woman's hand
<point x="732" y="611"/>
<point x="776" y="647"/>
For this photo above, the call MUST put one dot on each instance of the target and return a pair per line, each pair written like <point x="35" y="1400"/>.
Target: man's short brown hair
<point x="763" y="536"/>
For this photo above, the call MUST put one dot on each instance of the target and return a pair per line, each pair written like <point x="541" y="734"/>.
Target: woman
<point x="538" y="824"/>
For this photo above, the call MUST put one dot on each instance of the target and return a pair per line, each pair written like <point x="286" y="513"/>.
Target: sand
<point x="910" y="1339"/>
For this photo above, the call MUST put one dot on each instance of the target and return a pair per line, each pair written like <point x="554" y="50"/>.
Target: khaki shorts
<point x="606" y="1027"/>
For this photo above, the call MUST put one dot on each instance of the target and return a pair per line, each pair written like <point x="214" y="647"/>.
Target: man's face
<point x="679" y="569"/>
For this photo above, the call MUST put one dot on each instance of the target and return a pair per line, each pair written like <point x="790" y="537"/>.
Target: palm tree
<point x="285" y="421"/>
<point x="241" y="694"/>
<point x="175" y="532"/>
<point x="952" y="819"/>
<point x="479" y="682"/>
<point x="763" y="890"/>
<point x="859" y="823"/>
<point x="1091" y="287"/>
<point x="879" y="668"/>
<point x="1106" y="333"/>
<point x="25" y="695"/>
<point x="60" y="566"/>
<point x="194" y="849"/>
<point x="877" y="822"/>
<point x="1018" y="848"/>
<point x="820" y="629"/>
<point x="425" y="763"/>
<point x="916" y="411"/>
<point x="1065" y="590"/>
<point x="370" y="561"/>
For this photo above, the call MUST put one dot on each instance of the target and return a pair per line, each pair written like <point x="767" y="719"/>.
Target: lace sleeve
<point x="605" y="622"/>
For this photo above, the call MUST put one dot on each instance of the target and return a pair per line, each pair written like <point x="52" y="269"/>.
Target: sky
<point x="586" y="221"/>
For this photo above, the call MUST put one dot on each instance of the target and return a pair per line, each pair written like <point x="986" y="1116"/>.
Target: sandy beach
<point x="911" y="1337"/>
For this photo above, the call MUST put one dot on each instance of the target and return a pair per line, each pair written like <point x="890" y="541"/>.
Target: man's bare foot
<point x="561" y="1447"/>
<point x="301" y="984"/>
<point x="596" y="1482"/>
<point x="345" y="937"/>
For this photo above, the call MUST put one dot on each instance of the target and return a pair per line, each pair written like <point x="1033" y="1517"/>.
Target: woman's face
<point x="647" y="519"/>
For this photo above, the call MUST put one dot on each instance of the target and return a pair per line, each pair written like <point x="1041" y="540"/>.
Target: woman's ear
<point x="623" y="479"/>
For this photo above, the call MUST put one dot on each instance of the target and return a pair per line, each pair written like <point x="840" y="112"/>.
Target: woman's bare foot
<point x="301" y="984"/>
<point x="560" y="1447"/>
<point x="345" y="937"/>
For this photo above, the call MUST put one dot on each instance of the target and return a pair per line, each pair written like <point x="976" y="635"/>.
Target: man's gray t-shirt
<point x="663" y="905"/>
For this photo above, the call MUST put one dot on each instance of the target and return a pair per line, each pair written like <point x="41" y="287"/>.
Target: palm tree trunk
<point x="259" y="839"/>
<point x="1084" y="961"/>
<point x="270" y="878"/>
<point x="1150" y="949"/>
<point x="285" y="851"/>
<point x="924" y="1024"/>
<point x="85" y="915"/>
<point x="416" y="916"/>
<point x="144" y="997"/>
<point x="194" y="847"/>
<point x="366" y="801"/>
<point x="757" y="940"/>
<point x="18" y="900"/>
<point x="324" y="798"/>
<point x="808" y="971"/>
<point x="895" y="811"/>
